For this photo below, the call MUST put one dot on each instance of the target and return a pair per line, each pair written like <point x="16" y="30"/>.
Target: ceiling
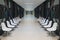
<point x="29" y="4"/>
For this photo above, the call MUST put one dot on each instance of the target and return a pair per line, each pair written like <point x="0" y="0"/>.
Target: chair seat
<point x="4" y="28"/>
<point x="53" y="28"/>
<point x="8" y="29"/>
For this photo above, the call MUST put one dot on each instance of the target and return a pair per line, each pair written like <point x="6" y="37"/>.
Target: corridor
<point x="29" y="29"/>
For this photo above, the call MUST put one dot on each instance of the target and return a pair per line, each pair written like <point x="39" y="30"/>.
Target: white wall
<point x="56" y="2"/>
<point x="2" y="2"/>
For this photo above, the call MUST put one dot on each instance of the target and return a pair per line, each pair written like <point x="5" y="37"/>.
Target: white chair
<point x="49" y="25"/>
<point x="45" y="22"/>
<point x="12" y="23"/>
<point x="15" y="21"/>
<point x="8" y="24"/>
<point x="42" y="21"/>
<point x="4" y="28"/>
<point x="19" y="20"/>
<point x="53" y="28"/>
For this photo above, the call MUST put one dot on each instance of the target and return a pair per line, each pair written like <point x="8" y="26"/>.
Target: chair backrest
<point x="46" y="21"/>
<point x="7" y="22"/>
<point x="43" y="20"/>
<point x="10" y="20"/>
<point x="3" y="25"/>
<point x="50" y="23"/>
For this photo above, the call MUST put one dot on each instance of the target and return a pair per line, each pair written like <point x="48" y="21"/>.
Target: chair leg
<point x="59" y="36"/>
<point x="6" y="34"/>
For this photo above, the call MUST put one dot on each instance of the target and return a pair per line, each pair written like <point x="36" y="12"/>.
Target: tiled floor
<point x="29" y="29"/>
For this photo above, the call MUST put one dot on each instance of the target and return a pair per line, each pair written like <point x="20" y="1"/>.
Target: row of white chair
<point x="49" y="27"/>
<point x="9" y="27"/>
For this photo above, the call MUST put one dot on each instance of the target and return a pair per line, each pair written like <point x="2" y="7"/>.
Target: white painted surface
<point x="29" y="4"/>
